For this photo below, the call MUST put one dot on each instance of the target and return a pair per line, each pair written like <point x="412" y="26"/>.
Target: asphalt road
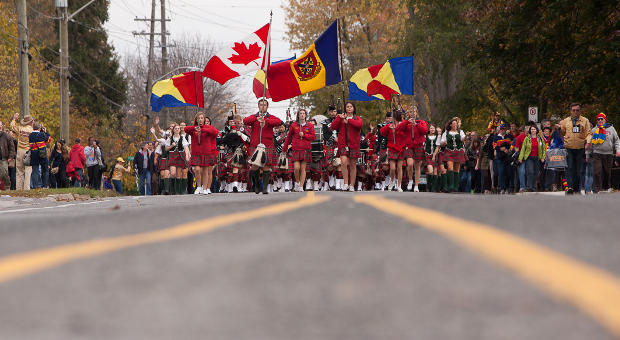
<point x="328" y="266"/>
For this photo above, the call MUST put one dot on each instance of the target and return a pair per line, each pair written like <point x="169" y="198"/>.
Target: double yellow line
<point x="23" y="264"/>
<point x="591" y="289"/>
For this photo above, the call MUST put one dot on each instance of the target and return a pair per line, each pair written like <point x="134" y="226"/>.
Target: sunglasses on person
<point x="600" y="118"/>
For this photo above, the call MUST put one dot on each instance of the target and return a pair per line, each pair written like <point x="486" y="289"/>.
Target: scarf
<point x="599" y="134"/>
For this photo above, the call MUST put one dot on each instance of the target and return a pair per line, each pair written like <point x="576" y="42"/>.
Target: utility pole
<point x="62" y="6"/>
<point x="64" y="71"/>
<point x="22" y="35"/>
<point x="149" y="77"/>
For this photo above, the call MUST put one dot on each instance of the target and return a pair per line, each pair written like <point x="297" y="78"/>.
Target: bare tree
<point x="189" y="51"/>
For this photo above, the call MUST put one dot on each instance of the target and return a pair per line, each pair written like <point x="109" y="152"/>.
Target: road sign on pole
<point x="533" y="114"/>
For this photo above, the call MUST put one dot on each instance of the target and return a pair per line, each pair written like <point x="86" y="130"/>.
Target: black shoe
<point x="569" y="191"/>
<point x="256" y="189"/>
<point x="235" y="189"/>
<point x="265" y="191"/>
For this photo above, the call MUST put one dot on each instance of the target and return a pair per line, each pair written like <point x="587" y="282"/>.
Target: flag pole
<point x="340" y="55"/>
<point x="268" y="54"/>
<point x="412" y="96"/>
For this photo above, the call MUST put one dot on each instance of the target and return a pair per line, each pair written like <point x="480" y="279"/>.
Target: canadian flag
<point x="250" y="54"/>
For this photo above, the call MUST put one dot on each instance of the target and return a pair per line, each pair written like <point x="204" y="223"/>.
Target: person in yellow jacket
<point x="22" y="133"/>
<point x="577" y="135"/>
<point x="533" y="153"/>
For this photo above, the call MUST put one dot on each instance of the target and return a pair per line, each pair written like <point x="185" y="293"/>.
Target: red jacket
<point x="304" y="143"/>
<point x="353" y="128"/>
<point x="77" y="157"/>
<point x="421" y="129"/>
<point x="400" y="138"/>
<point x="207" y="144"/>
<point x="372" y="141"/>
<point x="270" y="122"/>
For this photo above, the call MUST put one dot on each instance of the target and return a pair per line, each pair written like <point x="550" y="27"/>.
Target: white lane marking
<point x="53" y="207"/>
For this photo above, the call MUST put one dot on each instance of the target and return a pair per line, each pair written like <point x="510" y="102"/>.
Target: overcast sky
<point x="221" y="21"/>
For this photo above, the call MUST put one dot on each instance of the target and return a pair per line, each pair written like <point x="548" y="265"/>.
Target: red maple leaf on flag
<point x="244" y="54"/>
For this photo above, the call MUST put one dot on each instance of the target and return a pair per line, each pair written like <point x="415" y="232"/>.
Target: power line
<point x="47" y="16"/>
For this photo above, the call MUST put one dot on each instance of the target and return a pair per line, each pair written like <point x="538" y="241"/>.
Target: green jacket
<point x="527" y="148"/>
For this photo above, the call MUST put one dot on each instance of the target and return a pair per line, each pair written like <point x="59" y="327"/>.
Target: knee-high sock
<point x="266" y="179"/>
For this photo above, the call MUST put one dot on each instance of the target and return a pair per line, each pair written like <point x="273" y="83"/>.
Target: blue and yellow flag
<point x="380" y="82"/>
<point x="315" y="69"/>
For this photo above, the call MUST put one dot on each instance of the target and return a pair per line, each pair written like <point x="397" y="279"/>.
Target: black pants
<point x="573" y="172"/>
<point x="59" y="180"/>
<point x="476" y="180"/>
<point x="93" y="177"/>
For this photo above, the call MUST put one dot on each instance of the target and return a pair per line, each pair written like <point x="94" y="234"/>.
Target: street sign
<point x="533" y="114"/>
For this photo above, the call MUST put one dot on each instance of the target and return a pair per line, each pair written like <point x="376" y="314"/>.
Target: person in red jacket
<point x="78" y="159"/>
<point x="395" y="144"/>
<point x="348" y="126"/>
<point x="299" y="138"/>
<point x="204" y="153"/>
<point x="414" y="131"/>
<point x="262" y="124"/>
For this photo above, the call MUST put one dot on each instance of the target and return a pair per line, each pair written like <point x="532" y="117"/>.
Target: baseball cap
<point x="120" y="159"/>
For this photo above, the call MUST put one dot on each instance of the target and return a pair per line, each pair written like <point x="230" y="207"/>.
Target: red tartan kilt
<point x="417" y="154"/>
<point x="174" y="159"/>
<point x="162" y="164"/>
<point x="270" y="153"/>
<point x="301" y="156"/>
<point x="428" y="160"/>
<point x="204" y="160"/>
<point x="394" y="155"/>
<point x="352" y="153"/>
<point x="457" y="156"/>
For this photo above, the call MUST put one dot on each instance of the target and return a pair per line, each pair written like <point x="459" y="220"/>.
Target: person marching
<point x="429" y="150"/>
<point x="349" y="126"/>
<point x="299" y="138"/>
<point x="438" y="159"/>
<point x="414" y="132"/>
<point x="185" y="156"/>
<point x="262" y="124"/>
<point x="204" y="153"/>
<point x="330" y="139"/>
<point x="395" y="144"/>
<point x="455" y="155"/>
<point x="175" y="145"/>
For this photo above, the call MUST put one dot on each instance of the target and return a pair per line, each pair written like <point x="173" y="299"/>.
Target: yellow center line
<point x="23" y="264"/>
<point x="593" y="290"/>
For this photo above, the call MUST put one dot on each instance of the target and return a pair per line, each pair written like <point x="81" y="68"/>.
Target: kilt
<point x="204" y="160"/>
<point x="456" y="156"/>
<point x="174" y="159"/>
<point x="301" y="156"/>
<point x="162" y="164"/>
<point x="417" y="154"/>
<point x="394" y="155"/>
<point x="270" y="154"/>
<point x="428" y="160"/>
<point x="352" y="153"/>
<point x="382" y="152"/>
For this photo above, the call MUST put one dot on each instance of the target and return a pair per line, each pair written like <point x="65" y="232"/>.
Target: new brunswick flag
<point x="315" y="69"/>
<point x="382" y="81"/>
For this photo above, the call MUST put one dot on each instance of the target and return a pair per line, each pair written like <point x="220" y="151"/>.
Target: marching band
<point x="263" y="154"/>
